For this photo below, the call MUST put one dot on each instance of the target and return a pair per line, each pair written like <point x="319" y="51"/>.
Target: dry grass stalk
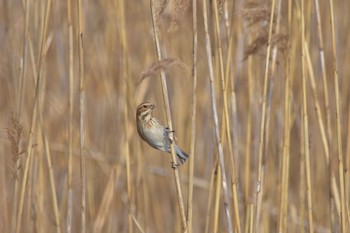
<point x="105" y="205"/>
<point x="43" y="52"/>
<point x="328" y="112"/>
<point x="248" y="152"/>
<point x="193" y="120"/>
<point x="227" y="129"/>
<point x="169" y="122"/>
<point x="57" y="223"/>
<point x="260" y="181"/>
<point x="213" y="178"/>
<point x="141" y="194"/>
<point x="286" y="157"/>
<point x="332" y="180"/>
<point x="339" y="132"/>
<point x="306" y="124"/>
<point x="217" y="199"/>
<point x="82" y="119"/>
<point x="324" y="72"/>
<point x="69" y="207"/>
<point x="126" y="90"/>
<point x="216" y="121"/>
<point x="347" y="163"/>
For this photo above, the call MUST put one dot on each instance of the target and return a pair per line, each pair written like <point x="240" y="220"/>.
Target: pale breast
<point x="154" y="134"/>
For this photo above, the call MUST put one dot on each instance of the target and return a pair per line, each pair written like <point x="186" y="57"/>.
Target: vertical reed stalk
<point x="347" y="162"/>
<point x="3" y="198"/>
<point x="106" y="201"/>
<point x="302" y="184"/>
<point x="271" y="82"/>
<point x="216" y="121"/>
<point x="324" y="73"/>
<point x="317" y="104"/>
<point x="251" y="217"/>
<point x="248" y="153"/>
<point x="126" y="112"/>
<point x="217" y="200"/>
<point x="226" y="119"/>
<point x="15" y="203"/>
<point x="27" y="220"/>
<point x="70" y="120"/>
<point x="193" y="117"/>
<point x="259" y="184"/>
<point x="39" y="179"/>
<point x="332" y="181"/>
<point x="34" y="116"/>
<point x="342" y="213"/>
<point x="214" y="174"/>
<point x="22" y="80"/>
<point x="287" y="130"/>
<point x="168" y="116"/>
<point x="231" y="78"/>
<point x="286" y="153"/>
<point x="127" y="155"/>
<point x="51" y="178"/>
<point x="22" y="83"/>
<point x="305" y="123"/>
<point x="82" y="116"/>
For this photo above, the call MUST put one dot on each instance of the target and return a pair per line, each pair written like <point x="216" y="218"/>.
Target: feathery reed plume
<point x="161" y="65"/>
<point x="256" y="17"/>
<point x="14" y="134"/>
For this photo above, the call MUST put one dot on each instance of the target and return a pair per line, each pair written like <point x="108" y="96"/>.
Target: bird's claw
<point x="168" y="130"/>
<point x="170" y="134"/>
<point x="174" y="165"/>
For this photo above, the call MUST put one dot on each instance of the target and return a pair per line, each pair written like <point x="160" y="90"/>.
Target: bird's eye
<point x="144" y="106"/>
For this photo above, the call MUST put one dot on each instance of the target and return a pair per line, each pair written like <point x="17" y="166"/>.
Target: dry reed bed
<point x="258" y="93"/>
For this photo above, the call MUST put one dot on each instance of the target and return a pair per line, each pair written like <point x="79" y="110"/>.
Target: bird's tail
<point x="182" y="156"/>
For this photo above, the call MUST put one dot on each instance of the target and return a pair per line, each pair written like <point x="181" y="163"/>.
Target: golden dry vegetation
<point x="259" y="96"/>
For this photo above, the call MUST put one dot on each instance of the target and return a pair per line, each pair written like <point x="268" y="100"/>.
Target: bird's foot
<point x="170" y="134"/>
<point x="168" y="129"/>
<point x="175" y="165"/>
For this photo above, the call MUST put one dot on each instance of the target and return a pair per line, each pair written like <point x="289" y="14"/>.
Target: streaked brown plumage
<point x="152" y="132"/>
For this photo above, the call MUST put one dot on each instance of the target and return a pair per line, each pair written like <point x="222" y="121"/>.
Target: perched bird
<point x="155" y="134"/>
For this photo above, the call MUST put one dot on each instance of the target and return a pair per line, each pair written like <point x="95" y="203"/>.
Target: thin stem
<point x="51" y="178"/>
<point x="342" y="213"/>
<point x="168" y="116"/>
<point x="106" y="201"/>
<point x="126" y="112"/>
<point x="259" y="185"/>
<point x="34" y="116"/>
<point x="82" y="117"/>
<point x="286" y="154"/>
<point x="226" y="119"/>
<point x="248" y="153"/>
<point x="194" y="106"/>
<point x="214" y="173"/>
<point x="324" y="73"/>
<point x="22" y="82"/>
<point x="216" y="121"/>
<point x="305" y="123"/>
<point x="69" y="216"/>
<point x="217" y="200"/>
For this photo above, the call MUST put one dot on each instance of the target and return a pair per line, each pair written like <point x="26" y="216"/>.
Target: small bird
<point x="155" y="134"/>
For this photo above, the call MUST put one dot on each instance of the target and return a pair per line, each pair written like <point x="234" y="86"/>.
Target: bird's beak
<point x="153" y="106"/>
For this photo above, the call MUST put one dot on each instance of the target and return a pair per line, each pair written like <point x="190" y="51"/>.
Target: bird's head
<point x="145" y="109"/>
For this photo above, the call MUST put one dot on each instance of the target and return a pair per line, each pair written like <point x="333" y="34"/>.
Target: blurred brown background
<point x="118" y="46"/>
